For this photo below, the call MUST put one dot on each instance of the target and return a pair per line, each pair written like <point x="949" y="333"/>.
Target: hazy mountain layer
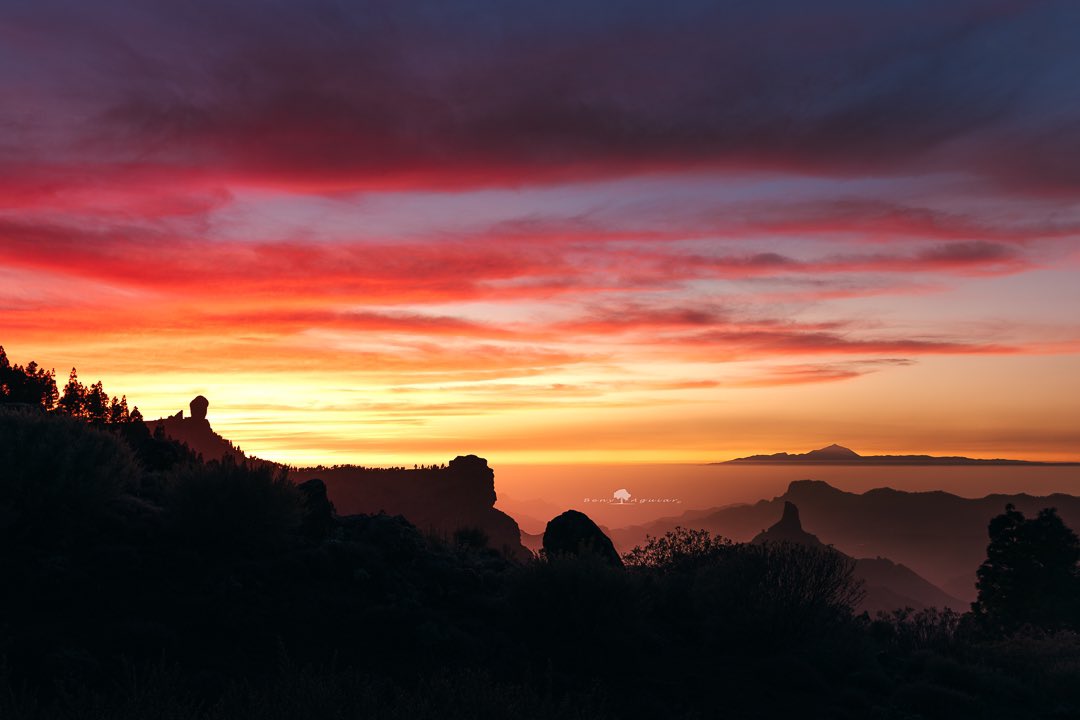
<point x="888" y="585"/>
<point x="940" y="536"/>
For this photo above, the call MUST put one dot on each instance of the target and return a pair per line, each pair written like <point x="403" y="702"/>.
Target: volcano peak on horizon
<point x="836" y="454"/>
<point x="833" y="451"/>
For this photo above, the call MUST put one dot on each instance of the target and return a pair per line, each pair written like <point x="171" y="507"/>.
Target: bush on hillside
<point x="224" y="506"/>
<point x="57" y="474"/>
<point x="752" y="596"/>
<point x="679" y="550"/>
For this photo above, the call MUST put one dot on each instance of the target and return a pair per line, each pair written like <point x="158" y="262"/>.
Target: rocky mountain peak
<point x="789" y="529"/>
<point x="790" y="520"/>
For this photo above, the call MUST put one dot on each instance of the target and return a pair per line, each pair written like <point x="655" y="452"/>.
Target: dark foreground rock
<point x="574" y="533"/>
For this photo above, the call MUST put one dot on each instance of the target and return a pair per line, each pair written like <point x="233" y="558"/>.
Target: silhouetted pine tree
<point x="73" y="399"/>
<point x="1030" y="575"/>
<point x="30" y="385"/>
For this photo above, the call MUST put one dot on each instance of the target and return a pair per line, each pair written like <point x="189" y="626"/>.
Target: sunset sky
<point x="393" y="232"/>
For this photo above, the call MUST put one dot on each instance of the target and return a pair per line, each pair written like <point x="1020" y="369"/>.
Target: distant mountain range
<point x="840" y="455"/>
<point x="940" y="536"/>
<point x="888" y="585"/>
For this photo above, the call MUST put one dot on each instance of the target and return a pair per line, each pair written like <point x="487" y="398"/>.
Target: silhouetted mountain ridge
<point x="940" y="536"/>
<point x="444" y="500"/>
<point x="889" y="586"/>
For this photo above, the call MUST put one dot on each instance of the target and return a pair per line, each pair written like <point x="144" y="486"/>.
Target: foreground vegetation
<point x="138" y="582"/>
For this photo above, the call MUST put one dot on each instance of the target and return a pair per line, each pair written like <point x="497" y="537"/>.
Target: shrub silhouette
<point x="319" y="514"/>
<point x="758" y="597"/>
<point x="156" y="452"/>
<point x="909" y="630"/>
<point x="58" y="475"/>
<point x="225" y="507"/>
<point x="777" y="595"/>
<point x="579" y="618"/>
<point x="679" y="550"/>
<point x="471" y="537"/>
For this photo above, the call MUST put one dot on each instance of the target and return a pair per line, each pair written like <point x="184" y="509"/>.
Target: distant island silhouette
<point x="839" y="455"/>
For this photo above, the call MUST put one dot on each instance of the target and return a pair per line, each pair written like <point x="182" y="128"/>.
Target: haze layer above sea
<point x="542" y="491"/>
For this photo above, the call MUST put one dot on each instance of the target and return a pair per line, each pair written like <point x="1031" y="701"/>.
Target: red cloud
<point x="737" y="343"/>
<point x="818" y="373"/>
<point x="158" y="260"/>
